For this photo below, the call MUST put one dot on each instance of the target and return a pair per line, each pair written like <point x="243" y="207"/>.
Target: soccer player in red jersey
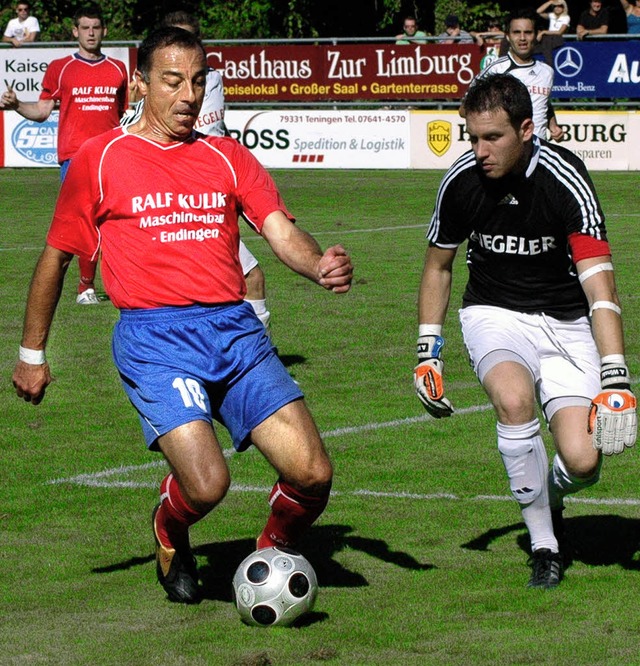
<point x="161" y="203"/>
<point x="91" y="89"/>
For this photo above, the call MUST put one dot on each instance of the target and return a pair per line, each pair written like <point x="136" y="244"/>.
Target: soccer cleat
<point x="176" y="570"/>
<point x="87" y="297"/>
<point x="547" y="569"/>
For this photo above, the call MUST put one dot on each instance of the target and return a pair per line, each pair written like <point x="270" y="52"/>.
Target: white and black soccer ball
<point x="274" y="587"/>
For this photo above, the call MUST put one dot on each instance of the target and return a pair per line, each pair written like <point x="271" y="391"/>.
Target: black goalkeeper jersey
<point x="517" y="229"/>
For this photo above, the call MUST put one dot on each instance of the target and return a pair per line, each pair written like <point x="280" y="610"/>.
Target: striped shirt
<point x="518" y="229"/>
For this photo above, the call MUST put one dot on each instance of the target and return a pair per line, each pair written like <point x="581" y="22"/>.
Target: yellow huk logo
<point x="439" y="136"/>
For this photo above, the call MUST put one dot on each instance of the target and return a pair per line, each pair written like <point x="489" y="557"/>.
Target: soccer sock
<point x="525" y="460"/>
<point x="174" y="516"/>
<point x="87" y="274"/>
<point x="562" y="483"/>
<point x="291" y="514"/>
<point x="260" y="308"/>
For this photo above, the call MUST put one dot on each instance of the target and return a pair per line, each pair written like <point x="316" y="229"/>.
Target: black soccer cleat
<point x="546" y="569"/>
<point x="176" y="570"/>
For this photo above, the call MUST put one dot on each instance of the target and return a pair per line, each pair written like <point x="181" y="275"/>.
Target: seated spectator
<point x="557" y="12"/>
<point x="22" y="29"/>
<point x="410" y="33"/>
<point x="453" y="34"/>
<point x="632" y="10"/>
<point x="593" y="21"/>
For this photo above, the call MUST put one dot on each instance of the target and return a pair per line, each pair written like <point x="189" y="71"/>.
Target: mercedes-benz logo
<point x="568" y="61"/>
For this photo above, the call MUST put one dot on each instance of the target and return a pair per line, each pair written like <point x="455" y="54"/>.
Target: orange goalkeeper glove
<point x="427" y="377"/>
<point x="613" y="421"/>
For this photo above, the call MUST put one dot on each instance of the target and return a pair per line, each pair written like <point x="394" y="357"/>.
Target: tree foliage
<point x="264" y="19"/>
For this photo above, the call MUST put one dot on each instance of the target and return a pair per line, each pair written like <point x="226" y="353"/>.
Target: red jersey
<point x="92" y="96"/>
<point x="163" y="216"/>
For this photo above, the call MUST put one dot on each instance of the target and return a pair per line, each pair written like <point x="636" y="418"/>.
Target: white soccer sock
<point x="525" y="460"/>
<point x="562" y="483"/>
<point x="260" y="308"/>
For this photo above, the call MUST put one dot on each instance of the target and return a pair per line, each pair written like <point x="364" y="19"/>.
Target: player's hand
<point x="613" y="421"/>
<point x="9" y="100"/>
<point x="335" y="271"/>
<point x="31" y="381"/>
<point x="427" y="377"/>
<point x="556" y="132"/>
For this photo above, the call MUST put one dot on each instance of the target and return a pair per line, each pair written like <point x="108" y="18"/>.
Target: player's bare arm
<point x="37" y="111"/>
<point x="433" y="302"/>
<point x="300" y="251"/>
<point x="30" y="377"/>
<point x="435" y="286"/>
<point x="600" y="290"/>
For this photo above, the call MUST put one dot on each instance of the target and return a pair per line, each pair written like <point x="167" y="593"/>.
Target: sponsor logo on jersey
<point x="37" y="141"/>
<point x="439" y="136"/>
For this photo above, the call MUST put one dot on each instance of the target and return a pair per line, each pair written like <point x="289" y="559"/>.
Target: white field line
<point x="104" y="479"/>
<point x="334" y="232"/>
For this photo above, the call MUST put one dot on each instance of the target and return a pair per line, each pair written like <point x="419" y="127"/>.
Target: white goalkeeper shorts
<point x="561" y="355"/>
<point x="247" y="260"/>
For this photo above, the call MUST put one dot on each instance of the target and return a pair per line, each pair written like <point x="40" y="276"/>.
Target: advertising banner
<point x="345" y="72"/>
<point x="383" y="139"/>
<point x="605" y="141"/>
<point x="324" y="139"/>
<point x="597" y="69"/>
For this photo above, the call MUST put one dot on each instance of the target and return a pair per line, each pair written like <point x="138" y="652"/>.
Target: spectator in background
<point x="22" y="29"/>
<point x="558" y="14"/>
<point x="491" y="40"/>
<point x="453" y="34"/>
<point x="70" y="82"/>
<point x="632" y="10"/>
<point x="593" y="21"/>
<point x="410" y="33"/>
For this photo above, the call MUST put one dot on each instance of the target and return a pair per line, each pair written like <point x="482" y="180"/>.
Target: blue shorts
<point x="180" y="365"/>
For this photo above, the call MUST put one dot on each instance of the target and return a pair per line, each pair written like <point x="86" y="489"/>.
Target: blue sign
<point x="597" y="69"/>
<point x="37" y="141"/>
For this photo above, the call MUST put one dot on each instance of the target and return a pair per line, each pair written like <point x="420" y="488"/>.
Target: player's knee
<point x="209" y="488"/>
<point x="514" y="407"/>
<point x="314" y="478"/>
<point x="585" y="469"/>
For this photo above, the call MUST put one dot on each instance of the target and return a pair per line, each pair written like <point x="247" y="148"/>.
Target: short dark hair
<point x="88" y="11"/>
<point x="526" y="13"/>
<point x="181" y="17"/>
<point x="160" y="39"/>
<point x="500" y="91"/>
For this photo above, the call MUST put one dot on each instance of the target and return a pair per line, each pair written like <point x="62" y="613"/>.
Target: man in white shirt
<point x="22" y="29"/>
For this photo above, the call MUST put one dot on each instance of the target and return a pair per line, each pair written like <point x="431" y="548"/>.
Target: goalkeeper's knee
<point x="524" y="458"/>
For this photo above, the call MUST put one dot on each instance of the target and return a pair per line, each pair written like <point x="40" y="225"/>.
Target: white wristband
<point x="32" y="356"/>
<point x="618" y="359"/>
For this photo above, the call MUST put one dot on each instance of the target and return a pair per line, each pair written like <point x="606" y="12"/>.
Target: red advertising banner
<point x="345" y="73"/>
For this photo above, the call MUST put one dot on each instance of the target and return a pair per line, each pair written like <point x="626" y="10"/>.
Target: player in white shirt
<point x="536" y="75"/>
<point x="211" y="122"/>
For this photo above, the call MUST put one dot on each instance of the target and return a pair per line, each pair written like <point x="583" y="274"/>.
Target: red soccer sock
<point x="174" y="516"/>
<point x="87" y="274"/>
<point x="291" y="514"/>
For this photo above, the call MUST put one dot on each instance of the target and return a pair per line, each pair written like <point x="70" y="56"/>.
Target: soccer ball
<point x="274" y="586"/>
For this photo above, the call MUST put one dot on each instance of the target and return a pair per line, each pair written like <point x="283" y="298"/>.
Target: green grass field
<point x="421" y="555"/>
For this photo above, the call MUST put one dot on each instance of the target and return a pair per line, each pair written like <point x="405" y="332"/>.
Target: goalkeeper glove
<point x="612" y="416"/>
<point x="427" y="377"/>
